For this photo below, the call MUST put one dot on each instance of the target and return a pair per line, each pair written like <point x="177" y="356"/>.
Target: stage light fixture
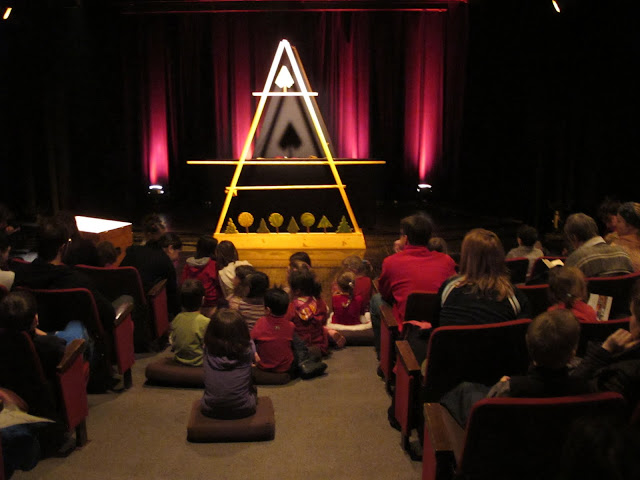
<point x="156" y="190"/>
<point x="556" y="5"/>
<point x="423" y="186"/>
<point x="7" y="12"/>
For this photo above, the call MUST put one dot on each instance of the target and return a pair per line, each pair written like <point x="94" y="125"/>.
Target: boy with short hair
<point x="527" y="237"/>
<point x="552" y="341"/>
<point x="273" y="333"/>
<point x="189" y="326"/>
<point x="278" y="346"/>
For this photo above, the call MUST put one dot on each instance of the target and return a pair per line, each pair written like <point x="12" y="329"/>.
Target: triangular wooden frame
<point x="306" y="94"/>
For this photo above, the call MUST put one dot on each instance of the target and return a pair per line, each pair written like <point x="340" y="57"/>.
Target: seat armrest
<point x="9" y="397"/>
<point x="124" y="310"/>
<point x="73" y="351"/>
<point x="445" y="434"/>
<point x="408" y="358"/>
<point x="157" y="288"/>
<point x="388" y="317"/>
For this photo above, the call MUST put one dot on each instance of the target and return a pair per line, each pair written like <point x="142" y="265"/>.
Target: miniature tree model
<point x="231" y="227"/>
<point x="263" y="227"/>
<point x="344" y="226"/>
<point x="324" y="223"/>
<point x="245" y="219"/>
<point x="293" y="226"/>
<point x="276" y="220"/>
<point x="307" y="220"/>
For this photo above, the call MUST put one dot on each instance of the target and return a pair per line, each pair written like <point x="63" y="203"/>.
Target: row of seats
<point x="482" y="354"/>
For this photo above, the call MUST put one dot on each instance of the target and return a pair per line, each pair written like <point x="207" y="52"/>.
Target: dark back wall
<point x="550" y="113"/>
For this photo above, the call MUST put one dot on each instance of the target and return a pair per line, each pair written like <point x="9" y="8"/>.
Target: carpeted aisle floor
<point x="332" y="427"/>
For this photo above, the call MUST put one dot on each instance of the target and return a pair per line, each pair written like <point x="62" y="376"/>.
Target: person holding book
<point x="614" y="365"/>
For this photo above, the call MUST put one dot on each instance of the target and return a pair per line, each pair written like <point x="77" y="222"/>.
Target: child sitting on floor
<point x="348" y="306"/>
<point x="203" y="267"/>
<point x="363" y="271"/>
<point x="188" y="327"/>
<point x="251" y="305"/>
<point x="279" y="347"/>
<point x="568" y="290"/>
<point x="552" y="341"/>
<point x="229" y="392"/>
<point x="308" y="312"/>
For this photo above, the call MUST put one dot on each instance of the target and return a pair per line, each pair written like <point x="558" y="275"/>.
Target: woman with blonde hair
<point x="482" y="293"/>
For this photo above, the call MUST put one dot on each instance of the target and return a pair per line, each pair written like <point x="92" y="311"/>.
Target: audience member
<point x="153" y="227"/>
<point x="6" y="276"/>
<point x="615" y="364"/>
<point x="278" y="346"/>
<point x="79" y="251"/>
<point x="251" y="306"/>
<point x="568" y="291"/>
<point x="227" y="261"/>
<point x="627" y="234"/>
<point x="413" y="268"/>
<point x="240" y="285"/>
<point x="203" y="267"/>
<point x="229" y="392"/>
<point x="155" y="261"/>
<point x="18" y="312"/>
<point x="527" y="237"/>
<point x="273" y="333"/>
<point x="591" y="253"/>
<point x="347" y="306"/>
<point x="608" y="215"/>
<point x="552" y="341"/>
<point x="482" y="292"/>
<point x="308" y="312"/>
<point x="438" y="244"/>
<point x="363" y="272"/>
<point x="48" y="271"/>
<point x="6" y="220"/>
<point x="107" y="254"/>
<point x="300" y="256"/>
<point x="189" y="326"/>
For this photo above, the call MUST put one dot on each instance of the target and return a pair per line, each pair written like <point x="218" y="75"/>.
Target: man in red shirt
<point x="413" y="268"/>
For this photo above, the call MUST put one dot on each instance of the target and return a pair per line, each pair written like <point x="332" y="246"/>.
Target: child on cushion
<point x="229" y="392"/>
<point x="188" y="327"/>
<point x="363" y="286"/>
<point x="568" y="291"/>
<point x="348" y="306"/>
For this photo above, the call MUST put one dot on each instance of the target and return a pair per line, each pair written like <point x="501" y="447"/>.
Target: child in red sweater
<point x="203" y="267"/>
<point x="363" y="286"/>
<point x="348" y="309"/>
<point x="277" y="344"/>
<point x="309" y="313"/>
<point x="568" y="291"/>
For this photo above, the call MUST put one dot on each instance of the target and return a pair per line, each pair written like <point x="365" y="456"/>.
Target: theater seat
<point x="166" y="371"/>
<point x="258" y="427"/>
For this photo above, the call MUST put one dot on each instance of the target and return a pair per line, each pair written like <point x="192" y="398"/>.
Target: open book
<point x="553" y="263"/>
<point x="601" y="304"/>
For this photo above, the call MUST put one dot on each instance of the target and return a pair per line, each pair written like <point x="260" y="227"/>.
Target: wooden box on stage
<point x="99" y="230"/>
<point x="270" y="252"/>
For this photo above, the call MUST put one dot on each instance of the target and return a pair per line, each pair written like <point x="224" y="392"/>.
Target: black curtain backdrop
<point x="544" y="117"/>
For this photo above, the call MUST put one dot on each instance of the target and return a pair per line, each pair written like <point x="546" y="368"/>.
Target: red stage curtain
<point x="380" y="78"/>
